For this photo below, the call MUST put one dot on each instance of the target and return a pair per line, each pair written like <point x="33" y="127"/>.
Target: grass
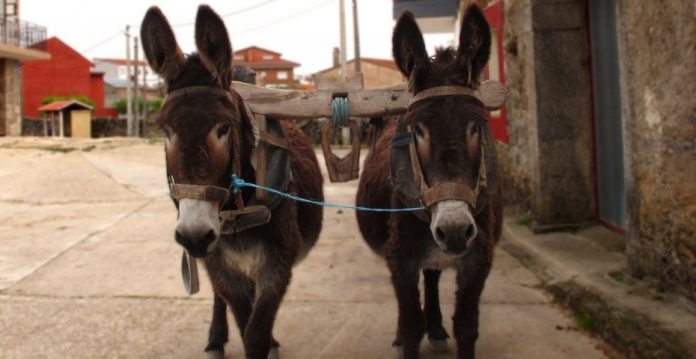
<point x="584" y="319"/>
<point x="58" y="149"/>
<point x="524" y="221"/>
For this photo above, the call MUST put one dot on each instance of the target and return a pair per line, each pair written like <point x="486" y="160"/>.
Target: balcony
<point x="22" y="40"/>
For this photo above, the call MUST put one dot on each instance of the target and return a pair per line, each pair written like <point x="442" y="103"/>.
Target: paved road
<point x="88" y="268"/>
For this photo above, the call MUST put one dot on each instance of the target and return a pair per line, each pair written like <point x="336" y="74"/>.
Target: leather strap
<point x="239" y="220"/>
<point x="273" y="139"/>
<point x="449" y="191"/>
<point x="204" y="193"/>
<point x="441" y="91"/>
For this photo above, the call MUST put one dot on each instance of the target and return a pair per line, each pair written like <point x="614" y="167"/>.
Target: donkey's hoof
<point x="214" y="354"/>
<point x="274" y="353"/>
<point x="438" y="345"/>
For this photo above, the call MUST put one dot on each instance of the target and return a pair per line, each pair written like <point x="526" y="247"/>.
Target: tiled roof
<point x="257" y="48"/>
<point x="61" y="105"/>
<point x="268" y="64"/>
<point x="379" y="62"/>
<point x="119" y="61"/>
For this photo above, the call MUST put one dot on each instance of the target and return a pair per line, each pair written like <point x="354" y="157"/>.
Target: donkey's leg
<point x="411" y="324"/>
<point x="466" y="313"/>
<point x="437" y="335"/>
<point x="258" y="334"/>
<point x="217" y="336"/>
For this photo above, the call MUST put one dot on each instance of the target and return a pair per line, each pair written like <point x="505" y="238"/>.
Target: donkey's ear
<point x="474" y="44"/>
<point x="214" y="45"/>
<point x="408" y="46"/>
<point x="160" y="46"/>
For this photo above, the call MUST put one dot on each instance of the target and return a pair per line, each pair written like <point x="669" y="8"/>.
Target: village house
<point x="376" y="72"/>
<point x="271" y="69"/>
<point x="67" y="74"/>
<point x="115" y="79"/>
<point x="20" y="42"/>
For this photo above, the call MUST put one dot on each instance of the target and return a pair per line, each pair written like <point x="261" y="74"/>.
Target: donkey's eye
<point x="474" y="130"/>
<point x="418" y="130"/>
<point x="223" y="130"/>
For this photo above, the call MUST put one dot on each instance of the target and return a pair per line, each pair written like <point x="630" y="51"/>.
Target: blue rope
<point x="239" y="183"/>
<point x="340" y="112"/>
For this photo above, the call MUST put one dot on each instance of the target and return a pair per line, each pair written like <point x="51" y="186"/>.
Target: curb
<point x="631" y="333"/>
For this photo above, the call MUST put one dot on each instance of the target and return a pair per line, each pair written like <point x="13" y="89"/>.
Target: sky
<point x="304" y="31"/>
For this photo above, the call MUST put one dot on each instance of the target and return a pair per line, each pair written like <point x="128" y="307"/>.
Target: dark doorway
<point x="611" y="194"/>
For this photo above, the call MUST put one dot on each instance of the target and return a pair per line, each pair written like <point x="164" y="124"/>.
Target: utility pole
<point x="356" y="35"/>
<point x="144" y="114"/>
<point x="342" y="20"/>
<point x="129" y="103"/>
<point x="345" y="131"/>
<point x="136" y="103"/>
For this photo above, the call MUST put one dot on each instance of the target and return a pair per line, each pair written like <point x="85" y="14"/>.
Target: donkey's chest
<point x="248" y="260"/>
<point x="436" y="258"/>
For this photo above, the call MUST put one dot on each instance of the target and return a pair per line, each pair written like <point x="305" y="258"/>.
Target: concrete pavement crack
<point x="109" y="176"/>
<point x="87" y="237"/>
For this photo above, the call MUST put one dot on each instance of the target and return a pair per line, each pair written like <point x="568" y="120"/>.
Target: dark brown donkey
<point x="439" y="154"/>
<point x="209" y="136"/>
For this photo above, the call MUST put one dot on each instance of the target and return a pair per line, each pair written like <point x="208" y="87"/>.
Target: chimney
<point x="336" y="56"/>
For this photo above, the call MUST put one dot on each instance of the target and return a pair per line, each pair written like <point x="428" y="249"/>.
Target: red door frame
<point x="497" y="120"/>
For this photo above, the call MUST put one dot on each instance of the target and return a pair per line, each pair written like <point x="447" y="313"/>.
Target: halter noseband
<point x="445" y="190"/>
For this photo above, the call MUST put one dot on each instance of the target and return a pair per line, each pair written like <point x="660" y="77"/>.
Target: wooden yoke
<point x="299" y="105"/>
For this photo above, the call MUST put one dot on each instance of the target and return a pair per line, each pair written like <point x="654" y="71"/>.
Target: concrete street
<point x="89" y="268"/>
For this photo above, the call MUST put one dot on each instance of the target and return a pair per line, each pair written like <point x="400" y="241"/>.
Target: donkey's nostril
<point x="440" y="234"/>
<point x="470" y="232"/>
<point x="209" y="237"/>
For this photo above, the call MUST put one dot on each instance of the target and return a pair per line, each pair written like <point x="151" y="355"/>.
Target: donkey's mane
<point x="444" y="69"/>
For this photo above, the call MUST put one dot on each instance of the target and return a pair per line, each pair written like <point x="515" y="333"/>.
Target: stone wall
<point x="10" y="97"/>
<point x="658" y="69"/>
<point x="548" y="163"/>
<point x="517" y="158"/>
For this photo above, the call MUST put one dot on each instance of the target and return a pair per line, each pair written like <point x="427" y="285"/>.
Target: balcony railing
<point x="22" y="34"/>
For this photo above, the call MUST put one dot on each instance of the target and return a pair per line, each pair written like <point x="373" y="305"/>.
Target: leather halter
<point x="446" y="190"/>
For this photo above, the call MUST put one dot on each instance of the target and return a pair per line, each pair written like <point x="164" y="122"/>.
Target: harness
<point x="407" y="175"/>
<point x="269" y="158"/>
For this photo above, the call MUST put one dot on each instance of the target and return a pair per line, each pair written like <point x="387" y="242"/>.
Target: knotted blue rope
<point x="340" y="112"/>
<point x="239" y="183"/>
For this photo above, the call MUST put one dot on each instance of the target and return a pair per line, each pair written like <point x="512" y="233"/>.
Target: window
<point x="282" y="75"/>
<point x="239" y="57"/>
<point x="122" y="71"/>
<point x="268" y="57"/>
<point x="262" y="74"/>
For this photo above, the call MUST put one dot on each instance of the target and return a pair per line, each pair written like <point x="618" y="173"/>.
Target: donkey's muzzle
<point x="198" y="245"/>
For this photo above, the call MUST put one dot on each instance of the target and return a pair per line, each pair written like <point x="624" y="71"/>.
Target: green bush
<point x="152" y="105"/>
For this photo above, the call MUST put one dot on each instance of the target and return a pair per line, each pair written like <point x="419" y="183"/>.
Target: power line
<point x="236" y="12"/>
<point x="102" y="42"/>
<point x="293" y="15"/>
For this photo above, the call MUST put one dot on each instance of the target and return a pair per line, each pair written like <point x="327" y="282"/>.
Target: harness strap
<point x="449" y="191"/>
<point x="273" y="139"/>
<point x="204" y="193"/>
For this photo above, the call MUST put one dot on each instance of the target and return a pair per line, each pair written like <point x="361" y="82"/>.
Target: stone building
<point x="19" y="41"/>
<point x="601" y="121"/>
<point x="376" y="72"/>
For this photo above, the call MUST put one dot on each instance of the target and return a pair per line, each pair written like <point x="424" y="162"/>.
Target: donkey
<point x="210" y="136"/>
<point x="444" y="135"/>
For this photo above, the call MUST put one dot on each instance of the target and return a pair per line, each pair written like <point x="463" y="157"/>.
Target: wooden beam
<point x="297" y="104"/>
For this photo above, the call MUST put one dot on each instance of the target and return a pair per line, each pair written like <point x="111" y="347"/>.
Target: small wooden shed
<point x="73" y="118"/>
